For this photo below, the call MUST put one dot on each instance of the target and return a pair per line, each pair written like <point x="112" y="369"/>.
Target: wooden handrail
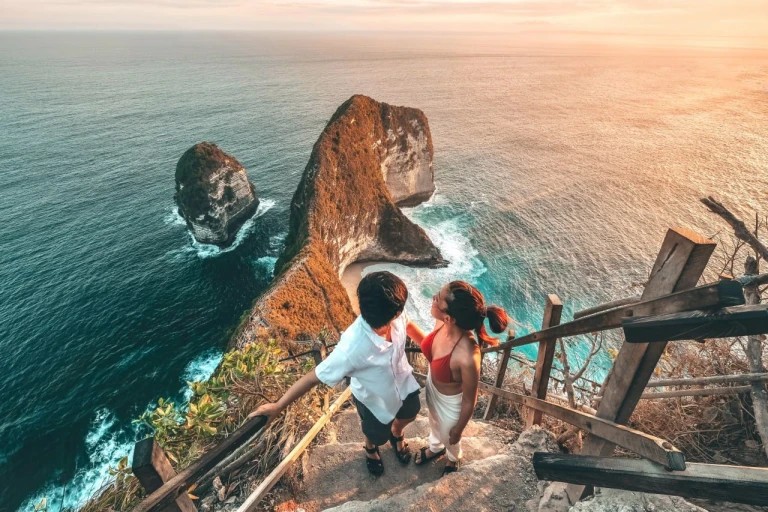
<point x="720" y="294"/>
<point x="172" y="488"/>
<point x="701" y="381"/>
<point x="646" y="445"/>
<point x="738" y="484"/>
<point x="252" y="502"/>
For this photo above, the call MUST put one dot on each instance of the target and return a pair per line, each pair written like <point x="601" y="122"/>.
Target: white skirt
<point x="444" y="413"/>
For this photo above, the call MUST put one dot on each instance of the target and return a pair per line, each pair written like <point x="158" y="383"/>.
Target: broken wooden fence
<point x="661" y="314"/>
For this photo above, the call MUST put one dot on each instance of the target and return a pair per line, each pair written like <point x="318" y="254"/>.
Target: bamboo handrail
<point x="252" y="502"/>
<point x="700" y="381"/>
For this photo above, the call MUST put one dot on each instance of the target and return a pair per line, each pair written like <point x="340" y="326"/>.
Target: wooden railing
<point x="167" y="491"/>
<point x="671" y="289"/>
<point x="668" y="295"/>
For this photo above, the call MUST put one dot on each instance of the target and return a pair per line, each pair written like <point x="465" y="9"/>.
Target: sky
<point x="718" y="23"/>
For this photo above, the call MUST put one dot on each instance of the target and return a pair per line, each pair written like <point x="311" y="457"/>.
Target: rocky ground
<point x="496" y="475"/>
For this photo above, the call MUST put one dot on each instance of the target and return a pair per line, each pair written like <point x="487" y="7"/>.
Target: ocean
<point x="558" y="170"/>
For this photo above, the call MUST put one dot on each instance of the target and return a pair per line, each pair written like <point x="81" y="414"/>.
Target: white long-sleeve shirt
<point x="380" y="376"/>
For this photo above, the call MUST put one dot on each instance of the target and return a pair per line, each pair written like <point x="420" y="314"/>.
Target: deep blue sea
<point x="557" y="171"/>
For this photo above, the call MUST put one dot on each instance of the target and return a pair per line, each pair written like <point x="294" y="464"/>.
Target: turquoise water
<point x="557" y="172"/>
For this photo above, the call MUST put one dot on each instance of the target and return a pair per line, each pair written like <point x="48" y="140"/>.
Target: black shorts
<point x="378" y="432"/>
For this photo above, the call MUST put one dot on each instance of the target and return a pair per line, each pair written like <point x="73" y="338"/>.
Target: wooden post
<point x="152" y="467"/>
<point x="490" y="409"/>
<point x="679" y="265"/>
<point x="176" y="486"/>
<point x="319" y="352"/>
<point x="552" y="312"/>
<point x="736" y="484"/>
<point x="410" y="356"/>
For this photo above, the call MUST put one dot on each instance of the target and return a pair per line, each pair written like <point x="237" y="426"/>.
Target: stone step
<point x="334" y="470"/>
<point x="345" y="428"/>
<point x="499" y="482"/>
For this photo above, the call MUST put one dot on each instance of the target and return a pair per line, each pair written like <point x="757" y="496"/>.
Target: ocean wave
<point x="267" y="263"/>
<point x="204" y="251"/>
<point x="107" y="442"/>
<point x="200" y="369"/>
<point x="449" y="236"/>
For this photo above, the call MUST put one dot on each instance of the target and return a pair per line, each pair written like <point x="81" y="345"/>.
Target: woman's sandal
<point x="404" y="455"/>
<point x="451" y="468"/>
<point x="424" y="459"/>
<point x="375" y="466"/>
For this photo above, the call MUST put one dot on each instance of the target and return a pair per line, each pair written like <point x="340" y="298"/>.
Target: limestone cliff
<point x="213" y="193"/>
<point x="343" y="212"/>
<point x="406" y="155"/>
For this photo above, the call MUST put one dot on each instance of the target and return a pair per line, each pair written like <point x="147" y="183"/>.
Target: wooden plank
<point x="736" y="484"/>
<point x="703" y="381"/>
<point x="605" y="307"/>
<point x="714" y="295"/>
<point x="252" y="503"/>
<point x="695" y="325"/>
<point x="490" y="409"/>
<point x="152" y="468"/>
<point x="678" y="266"/>
<point x="646" y="445"/>
<point x="553" y="310"/>
<point x="171" y="489"/>
<point x="697" y="392"/>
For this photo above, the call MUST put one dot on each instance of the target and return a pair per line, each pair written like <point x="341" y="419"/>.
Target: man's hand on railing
<point x="268" y="410"/>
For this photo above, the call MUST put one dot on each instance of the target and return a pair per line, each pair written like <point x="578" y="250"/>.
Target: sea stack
<point x="343" y="212"/>
<point x="214" y="195"/>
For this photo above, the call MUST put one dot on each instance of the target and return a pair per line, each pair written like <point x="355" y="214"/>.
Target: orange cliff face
<point x="343" y="211"/>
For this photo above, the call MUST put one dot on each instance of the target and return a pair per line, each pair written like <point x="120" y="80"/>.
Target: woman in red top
<point x="453" y="352"/>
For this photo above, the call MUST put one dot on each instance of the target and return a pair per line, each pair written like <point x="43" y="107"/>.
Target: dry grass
<point x="711" y="429"/>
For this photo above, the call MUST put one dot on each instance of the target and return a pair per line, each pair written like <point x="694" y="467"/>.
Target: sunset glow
<point x="741" y="23"/>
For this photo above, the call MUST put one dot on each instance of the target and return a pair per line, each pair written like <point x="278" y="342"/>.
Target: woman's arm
<point x="414" y="332"/>
<point x="470" y="377"/>
<point x="296" y="391"/>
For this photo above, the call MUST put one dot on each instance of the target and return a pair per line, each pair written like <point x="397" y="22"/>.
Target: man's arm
<point x="296" y="391"/>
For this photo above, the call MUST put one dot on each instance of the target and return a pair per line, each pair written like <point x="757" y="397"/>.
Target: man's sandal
<point x="375" y="466"/>
<point x="424" y="459"/>
<point x="404" y="455"/>
<point x="451" y="468"/>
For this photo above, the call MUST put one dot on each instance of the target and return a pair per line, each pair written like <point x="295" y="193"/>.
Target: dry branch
<point x="739" y="228"/>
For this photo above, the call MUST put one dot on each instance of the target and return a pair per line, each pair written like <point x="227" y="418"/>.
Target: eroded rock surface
<point x="213" y="193"/>
<point x="343" y="212"/>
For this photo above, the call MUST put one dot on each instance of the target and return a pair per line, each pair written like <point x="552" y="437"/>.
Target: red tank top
<point x="440" y="367"/>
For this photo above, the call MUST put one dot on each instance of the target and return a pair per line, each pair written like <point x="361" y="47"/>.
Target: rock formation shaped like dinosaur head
<point x="343" y="211"/>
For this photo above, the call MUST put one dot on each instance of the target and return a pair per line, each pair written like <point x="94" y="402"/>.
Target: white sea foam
<point x="449" y="236"/>
<point x="204" y="251"/>
<point x="173" y="217"/>
<point x="200" y="369"/>
<point x="267" y="263"/>
<point x="106" y="443"/>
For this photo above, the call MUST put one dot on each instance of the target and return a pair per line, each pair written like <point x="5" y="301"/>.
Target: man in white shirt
<point x="371" y="352"/>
